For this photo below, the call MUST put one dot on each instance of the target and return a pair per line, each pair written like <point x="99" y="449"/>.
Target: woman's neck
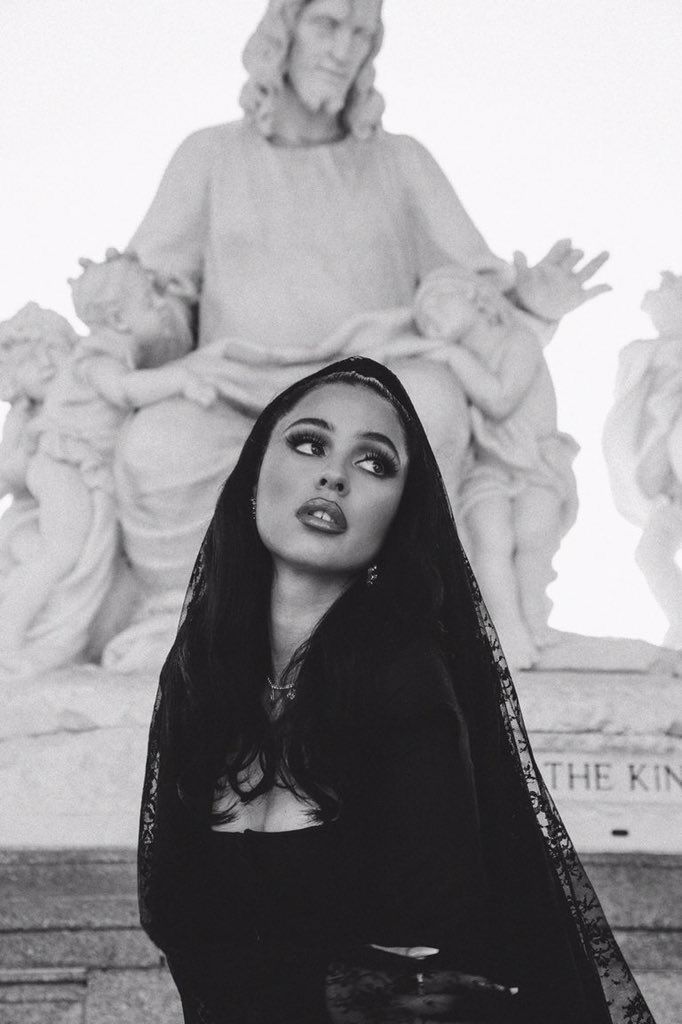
<point x="296" y="125"/>
<point x="297" y="603"/>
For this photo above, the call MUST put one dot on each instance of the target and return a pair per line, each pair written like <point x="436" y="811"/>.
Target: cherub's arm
<point x="16" y="448"/>
<point x="132" y="389"/>
<point x="497" y="393"/>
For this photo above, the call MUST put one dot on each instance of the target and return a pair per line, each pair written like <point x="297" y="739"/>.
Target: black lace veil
<point x="549" y="913"/>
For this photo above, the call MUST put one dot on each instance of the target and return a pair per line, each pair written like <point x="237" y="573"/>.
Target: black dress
<point x="251" y="932"/>
<point x="425" y="851"/>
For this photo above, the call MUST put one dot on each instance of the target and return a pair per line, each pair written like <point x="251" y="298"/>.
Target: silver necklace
<point x="289" y="691"/>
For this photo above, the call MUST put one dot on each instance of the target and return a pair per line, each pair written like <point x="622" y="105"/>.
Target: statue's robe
<point x="289" y="252"/>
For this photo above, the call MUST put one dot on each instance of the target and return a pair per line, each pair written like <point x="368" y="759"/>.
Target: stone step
<point x="72" y="951"/>
<point x="67" y="889"/>
<point x="84" y="946"/>
<point x="42" y="995"/>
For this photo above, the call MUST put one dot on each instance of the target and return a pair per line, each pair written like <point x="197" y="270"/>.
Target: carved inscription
<point x="637" y="777"/>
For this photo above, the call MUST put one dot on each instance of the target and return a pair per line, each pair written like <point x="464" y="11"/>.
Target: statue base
<point x="608" y="742"/>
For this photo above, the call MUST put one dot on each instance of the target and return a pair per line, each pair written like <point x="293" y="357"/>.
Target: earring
<point x="372" y="574"/>
<point x="253" y="508"/>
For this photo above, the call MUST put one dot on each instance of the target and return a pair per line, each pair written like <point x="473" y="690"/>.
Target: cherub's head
<point x="664" y="305"/>
<point x="323" y="49"/>
<point x="451" y="299"/>
<point x="120" y="297"/>
<point x="117" y="294"/>
<point x="33" y="344"/>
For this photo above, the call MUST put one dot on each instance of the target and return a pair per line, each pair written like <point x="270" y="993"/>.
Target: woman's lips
<point x="324" y="515"/>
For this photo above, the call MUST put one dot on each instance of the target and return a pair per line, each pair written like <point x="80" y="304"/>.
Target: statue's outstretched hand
<point x="554" y="287"/>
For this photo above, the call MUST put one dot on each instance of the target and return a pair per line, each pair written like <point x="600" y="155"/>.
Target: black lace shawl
<point x="548" y="908"/>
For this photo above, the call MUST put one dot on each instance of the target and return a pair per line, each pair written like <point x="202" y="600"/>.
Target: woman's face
<point x="331" y="480"/>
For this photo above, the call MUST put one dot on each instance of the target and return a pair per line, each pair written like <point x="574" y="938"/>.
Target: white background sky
<point x="552" y="118"/>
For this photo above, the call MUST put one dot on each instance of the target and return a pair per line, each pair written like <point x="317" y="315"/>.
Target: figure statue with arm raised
<point x="517" y="495"/>
<point x="643" y="447"/>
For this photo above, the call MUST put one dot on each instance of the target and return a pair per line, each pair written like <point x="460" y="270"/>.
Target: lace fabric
<point x="623" y="997"/>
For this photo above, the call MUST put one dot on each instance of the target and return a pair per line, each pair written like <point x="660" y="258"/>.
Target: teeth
<point x="321" y="514"/>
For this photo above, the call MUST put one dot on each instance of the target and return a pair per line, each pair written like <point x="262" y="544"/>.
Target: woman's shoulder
<point x="417" y="680"/>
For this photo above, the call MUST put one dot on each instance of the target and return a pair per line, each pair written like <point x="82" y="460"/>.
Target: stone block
<point x="80" y="789"/>
<point x="136" y="997"/>
<point x="42" y="997"/>
<point x="54" y="912"/>
<point x="42" y="1013"/>
<point x="73" y="743"/>
<point x="613" y="702"/>
<point x="76" y="699"/>
<point x="663" y="993"/>
<point x="123" y="947"/>
<point x="651" y="951"/>
<point x="638" y="891"/>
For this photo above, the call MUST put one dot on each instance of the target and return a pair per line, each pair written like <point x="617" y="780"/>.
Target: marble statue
<point x="271" y="240"/>
<point x="73" y="398"/>
<point x="643" y="448"/>
<point x="517" y="494"/>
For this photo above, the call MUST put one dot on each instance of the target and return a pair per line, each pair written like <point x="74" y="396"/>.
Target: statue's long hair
<point x="265" y="58"/>
<point x="554" y="940"/>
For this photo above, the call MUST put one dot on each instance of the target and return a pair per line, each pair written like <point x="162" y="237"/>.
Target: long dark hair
<point x="217" y="724"/>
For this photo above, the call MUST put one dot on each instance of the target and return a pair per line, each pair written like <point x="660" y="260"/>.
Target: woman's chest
<point x="278" y="810"/>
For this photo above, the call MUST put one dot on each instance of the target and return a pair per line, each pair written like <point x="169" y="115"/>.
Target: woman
<point x="337" y="759"/>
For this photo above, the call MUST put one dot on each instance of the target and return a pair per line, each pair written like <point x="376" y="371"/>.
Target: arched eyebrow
<point x="369" y="435"/>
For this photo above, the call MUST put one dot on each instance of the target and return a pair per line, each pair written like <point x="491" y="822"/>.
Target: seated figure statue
<point x="517" y="494"/>
<point x="71" y="395"/>
<point x="275" y="231"/>
<point x="643" y="448"/>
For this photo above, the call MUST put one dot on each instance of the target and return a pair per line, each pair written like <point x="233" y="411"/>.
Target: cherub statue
<point x="517" y="496"/>
<point x="643" y="447"/>
<point x="32" y="344"/>
<point x="69" y="404"/>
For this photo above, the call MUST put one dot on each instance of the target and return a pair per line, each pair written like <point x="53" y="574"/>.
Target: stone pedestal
<point x="609" y="744"/>
<point x="72" y="751"/>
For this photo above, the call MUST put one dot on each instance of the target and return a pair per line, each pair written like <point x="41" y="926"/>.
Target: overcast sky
<point x="551" y="119"/>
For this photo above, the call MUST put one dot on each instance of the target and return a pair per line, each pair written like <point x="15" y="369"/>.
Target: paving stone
<point x="54" y="912"/>
<point x="125" y="947"/>
<point x="651" y="951"/>
<point x="43" y="1013"/>
<point x="42" y="996"/>
<point x="136" y="997"/>
<point x="643" y="892"/>
<point x="663" y="992"/>
<point x="66" y="876"/>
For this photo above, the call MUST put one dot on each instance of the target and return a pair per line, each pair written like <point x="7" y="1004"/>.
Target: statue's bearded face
<point x="331" y="41"/>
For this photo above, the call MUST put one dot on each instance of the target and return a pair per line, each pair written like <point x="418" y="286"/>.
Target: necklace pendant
<point x="290" y="694"/>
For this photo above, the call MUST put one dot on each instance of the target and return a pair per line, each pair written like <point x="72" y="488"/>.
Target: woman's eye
<point x="310" y="448"/>
<point x="378" y="464"/>
<point x="306" y="444"/>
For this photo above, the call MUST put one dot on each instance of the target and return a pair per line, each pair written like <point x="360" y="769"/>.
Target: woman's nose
<point x="332" y="480"/>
